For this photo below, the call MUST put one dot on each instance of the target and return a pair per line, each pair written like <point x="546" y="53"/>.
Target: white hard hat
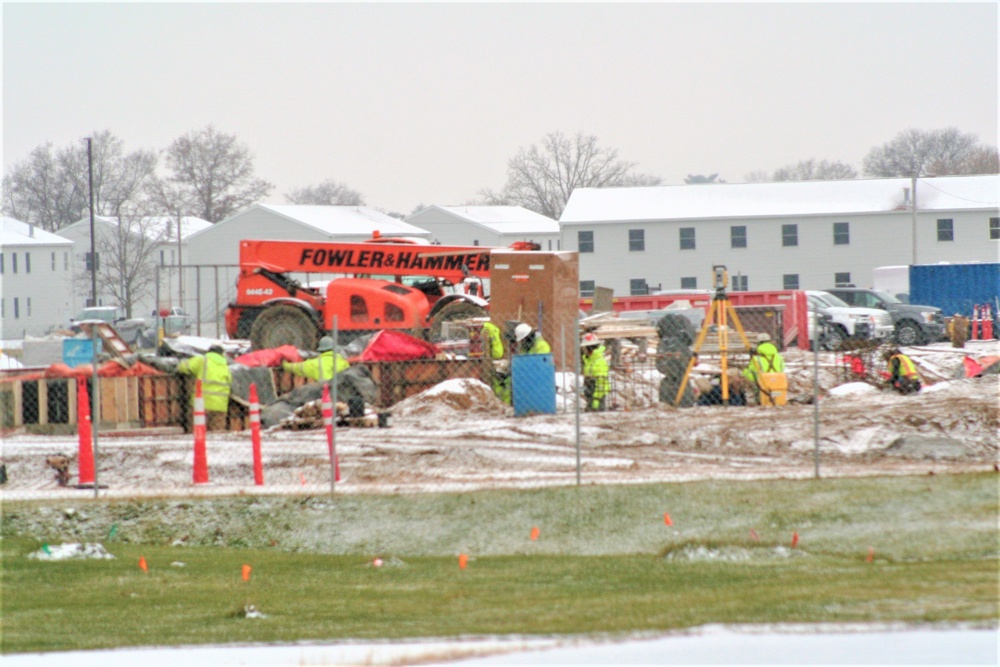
<point x="764" y="338"/>
<point x="589" y="340"/>
<point x="521" y="331"/>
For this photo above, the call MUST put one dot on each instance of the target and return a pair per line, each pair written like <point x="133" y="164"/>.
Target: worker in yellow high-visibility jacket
<point x="903" y="376"/>
<point x="321" y="367"/>
<point x="216" y="381"/>
<point x="596" y="385"/>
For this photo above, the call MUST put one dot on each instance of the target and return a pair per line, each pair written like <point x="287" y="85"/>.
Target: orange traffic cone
<point x="258" y="465"/>
<point x="328" y="424"/>
<point x="84" y="426"/>
<point x="200" y="428"/>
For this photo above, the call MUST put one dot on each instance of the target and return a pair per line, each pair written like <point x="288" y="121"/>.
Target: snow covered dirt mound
<point x="460" y="395"/>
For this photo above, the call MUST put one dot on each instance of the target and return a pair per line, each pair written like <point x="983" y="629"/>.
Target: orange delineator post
<point x="200" y="428"/>
<point x="974" y="334"/>
<point x="987" y="322"/>
<point x="86" y="456"/>
<point x="328" y="424"/>
<point x="258" y="465"/>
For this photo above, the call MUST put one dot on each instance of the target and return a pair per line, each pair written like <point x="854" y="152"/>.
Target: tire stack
<point x="673" y="354"/>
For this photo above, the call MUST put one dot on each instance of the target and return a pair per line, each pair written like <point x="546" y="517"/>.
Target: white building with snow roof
<point x="772" y="236"/>
<point x="164" y="245"/>
<point x="491" y="226"/>
<point x="220" y="244"/>
<point x="36" y="280"/>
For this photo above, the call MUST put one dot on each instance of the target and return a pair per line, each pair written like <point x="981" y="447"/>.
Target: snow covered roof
<point x="505" y="219"/>
<point x="153" y="225"/>
<point x="17" y="233"/>
<point x="345" y="220"/>
<point x="787" y="198"/>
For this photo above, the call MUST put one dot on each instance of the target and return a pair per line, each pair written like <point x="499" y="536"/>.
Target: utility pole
<point x="913" y="223"/>
<point x="180" y="264"/>
<point x="93" y="245"/>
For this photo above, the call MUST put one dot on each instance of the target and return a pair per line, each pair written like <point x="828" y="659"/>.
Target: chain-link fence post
<point x="95" y="412"/>
<point x="576" y="396"/>
<point x="333" y="433"/>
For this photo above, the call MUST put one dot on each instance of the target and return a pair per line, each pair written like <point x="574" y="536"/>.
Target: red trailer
<point x="796" y="311"/>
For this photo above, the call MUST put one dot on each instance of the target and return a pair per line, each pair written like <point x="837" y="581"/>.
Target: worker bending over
<point x="765" y="358"/>
<point x="321" y="367"/>
<point x="493" y="346"/>
<point x="902" y="372"/>
<point x="530" y="341"/>
<point x="216" y="382"/>
<point x="595" y="373"/>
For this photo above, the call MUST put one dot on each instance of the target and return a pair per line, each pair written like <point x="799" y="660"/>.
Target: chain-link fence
<point x="522" y="405"/>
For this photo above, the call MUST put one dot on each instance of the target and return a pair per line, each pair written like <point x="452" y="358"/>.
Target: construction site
<point x="422" y="406"/>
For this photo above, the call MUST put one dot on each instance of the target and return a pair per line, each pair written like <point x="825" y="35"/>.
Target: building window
<point x="946" y="229"/>
<point x="17" y="310"/>
<point x="789" y="235"/>
<point x="3" y="308"/>
<point x="27" y="307"/>
<point x="53" y="262"/>
<point x="475" y="241"/>
<point x="636" y="240"/>
<point x="740" y="283"/>
<point x="841" y="233"/>
<point x="65" y="261"/>
<point x="586" y="288"/>
<point x="690" y="282"/>
<point x="687" y="238"/>
<point x="162" y="252"/>
<point x="13" y="262"/>
<point x="1" y="263"/>
<point x="738" y="236"/>
<point x="638" y="287"/>
<point x="790" y="281"/>
<point x="585" y="241"/>
<point x="27" y="262"/>
<point x="994" y="234"/>
<point x="842" y="279"/>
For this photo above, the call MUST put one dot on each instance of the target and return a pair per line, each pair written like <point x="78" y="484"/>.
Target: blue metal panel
<point x="955" y="288"/>
<point x="79" y="351"/>
<point x="533" y="382"/>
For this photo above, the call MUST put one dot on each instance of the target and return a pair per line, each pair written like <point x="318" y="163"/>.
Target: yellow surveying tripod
<point x="718" y="312"/>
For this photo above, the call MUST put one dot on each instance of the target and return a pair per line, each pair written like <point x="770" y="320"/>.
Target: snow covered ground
<point x="715" y="645"/>
<point x="457" y="436"/>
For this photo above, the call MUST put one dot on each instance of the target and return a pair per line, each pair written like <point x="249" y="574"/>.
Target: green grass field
<point x="934" y="541"/>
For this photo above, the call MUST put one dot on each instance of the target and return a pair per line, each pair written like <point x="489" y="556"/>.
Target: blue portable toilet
<point x="533" y="384"/>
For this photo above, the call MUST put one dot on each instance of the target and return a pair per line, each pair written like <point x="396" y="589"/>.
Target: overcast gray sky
<point x="424" y="103"/>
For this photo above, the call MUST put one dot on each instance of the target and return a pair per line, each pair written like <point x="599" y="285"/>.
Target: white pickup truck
<point x="847" y="322"/>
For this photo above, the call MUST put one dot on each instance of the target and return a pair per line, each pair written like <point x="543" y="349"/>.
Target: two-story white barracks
<point x="772" y="236"/>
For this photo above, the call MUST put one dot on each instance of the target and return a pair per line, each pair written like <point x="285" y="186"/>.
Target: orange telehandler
<point x="384" y="283"/>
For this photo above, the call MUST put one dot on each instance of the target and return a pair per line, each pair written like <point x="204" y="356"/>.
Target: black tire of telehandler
<point x="283" y="325"/>
<point x="458" y="310"/>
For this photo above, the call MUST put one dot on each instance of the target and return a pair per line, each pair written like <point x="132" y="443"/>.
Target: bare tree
<point x="982" y="159"/>
<point x="51" y="188"/>
<point x="541" y="178"/>
<point x="811" y="170"/>
<point x="214" y="173"/>
<point x="756" y="176"/>
<point x="699" y="179"/>
<point x="127" y="243"/>
<point x="38" y="190"/>
<point x="327" y="193"/>
<point x="912" y="153"/>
